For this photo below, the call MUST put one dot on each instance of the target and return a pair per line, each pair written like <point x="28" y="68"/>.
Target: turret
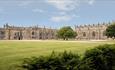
<point x="6" y="25"/>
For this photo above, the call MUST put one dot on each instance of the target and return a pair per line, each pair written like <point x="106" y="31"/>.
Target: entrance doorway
<point x="18" y="36"/>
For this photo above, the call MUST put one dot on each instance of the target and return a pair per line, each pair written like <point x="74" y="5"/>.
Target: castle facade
<point x="26" y="33"/>
<point x="86" y="32"/>
<point x="91" y="32"/>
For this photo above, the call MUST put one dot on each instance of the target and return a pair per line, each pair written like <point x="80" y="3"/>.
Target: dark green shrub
<point x="62" y="61"/>
<point x="99" y="58"/>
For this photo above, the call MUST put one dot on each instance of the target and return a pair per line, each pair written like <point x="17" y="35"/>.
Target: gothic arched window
<point x="33" y="33"/>
<point x="40" y="34"/>
<point x="93" y="34"/>
<point x="84" y="34"/>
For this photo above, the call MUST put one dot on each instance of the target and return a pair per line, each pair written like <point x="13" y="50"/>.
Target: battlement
<point x="7" y="26"/>
<point x="92" y="25"/>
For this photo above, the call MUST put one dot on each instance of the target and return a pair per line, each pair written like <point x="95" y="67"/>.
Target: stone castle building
<point x="26" y="33"/>
<point x="91" y="32"/>
<point x="86" y="32"/>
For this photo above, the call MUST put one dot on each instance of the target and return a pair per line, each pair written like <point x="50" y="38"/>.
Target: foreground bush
<point x="63" y="61"/>
<point x="99" y="58"/>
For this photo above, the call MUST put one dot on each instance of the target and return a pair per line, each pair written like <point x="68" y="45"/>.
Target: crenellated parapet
<point x="92" y="25"/>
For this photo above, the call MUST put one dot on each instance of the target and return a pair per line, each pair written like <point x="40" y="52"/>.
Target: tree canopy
<point x="66" y="33"/>
<point x="110" y="31"/>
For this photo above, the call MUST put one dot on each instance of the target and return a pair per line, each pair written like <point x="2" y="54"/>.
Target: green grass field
<point x="13" y="52"/>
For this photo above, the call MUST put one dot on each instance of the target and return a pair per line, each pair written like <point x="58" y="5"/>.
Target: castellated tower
<point x="91" y="32"/>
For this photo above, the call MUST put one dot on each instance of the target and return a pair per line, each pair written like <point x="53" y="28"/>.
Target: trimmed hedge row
<point x="99" y="58"/>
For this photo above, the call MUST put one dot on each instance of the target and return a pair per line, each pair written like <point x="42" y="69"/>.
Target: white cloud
<point x="91" y="2"/>
<point x="75" y="16"/>
<point x="60" y="18"/>
<point x="64" y="5"/>
<point x="68" y="5"/>
<point x="38" y="10"/>
<point x="62" y="13"/>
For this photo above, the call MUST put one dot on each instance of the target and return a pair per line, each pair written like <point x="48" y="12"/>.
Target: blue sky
<point x="56" y="13"/>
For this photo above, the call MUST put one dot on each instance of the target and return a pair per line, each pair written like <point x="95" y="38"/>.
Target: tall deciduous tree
<point x="66" y="33"/>
<point x="110" y="31"/>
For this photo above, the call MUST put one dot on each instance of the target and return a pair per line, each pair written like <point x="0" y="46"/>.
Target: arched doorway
<point x="18" y="36"/>
<point x="93" y="34"/>
<point x="33" y="35"/>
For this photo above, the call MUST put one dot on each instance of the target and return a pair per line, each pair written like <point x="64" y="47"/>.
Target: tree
<point x="110" y="31"/>
<point x="66" y="32"/>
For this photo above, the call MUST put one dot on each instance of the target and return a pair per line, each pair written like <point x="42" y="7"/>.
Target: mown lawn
<point x="13" y="52"/>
